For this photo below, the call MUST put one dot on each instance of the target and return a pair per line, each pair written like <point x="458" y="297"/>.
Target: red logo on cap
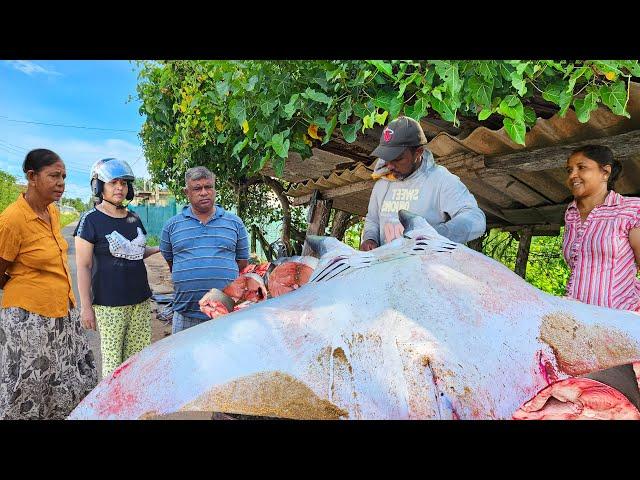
<point x="388" y="134"/>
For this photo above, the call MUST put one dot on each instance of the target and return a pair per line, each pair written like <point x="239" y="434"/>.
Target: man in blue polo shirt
<point x="205" y="247"/>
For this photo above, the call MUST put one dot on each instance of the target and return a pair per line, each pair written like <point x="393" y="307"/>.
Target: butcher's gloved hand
<point x="368" y="245"/>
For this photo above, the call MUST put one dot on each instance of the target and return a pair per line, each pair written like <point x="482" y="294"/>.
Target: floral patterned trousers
<point x="46" y="367"/>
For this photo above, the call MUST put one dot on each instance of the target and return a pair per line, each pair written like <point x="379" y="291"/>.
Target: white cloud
<point x="30" y="68"/>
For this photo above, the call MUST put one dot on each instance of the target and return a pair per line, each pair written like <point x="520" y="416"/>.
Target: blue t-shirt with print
<point x="119" y="276"/>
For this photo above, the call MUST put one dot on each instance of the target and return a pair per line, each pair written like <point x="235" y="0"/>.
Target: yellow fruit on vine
<point x="610" y="75"/>
<point x="245" y="126"/>
<point x="313" y="132"/>
<point x="306" y="140"/>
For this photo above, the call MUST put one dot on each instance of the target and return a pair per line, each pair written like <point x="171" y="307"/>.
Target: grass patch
<point x="67" y="218"/>
<point x="153" y="241"/>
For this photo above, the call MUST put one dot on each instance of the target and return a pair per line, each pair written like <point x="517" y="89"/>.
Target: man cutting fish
<point x="408" y="178"/>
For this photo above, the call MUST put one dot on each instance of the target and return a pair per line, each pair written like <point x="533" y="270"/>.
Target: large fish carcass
<point x="420" y="328"/>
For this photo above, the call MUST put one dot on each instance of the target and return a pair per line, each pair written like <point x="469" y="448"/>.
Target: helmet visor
<point x="109" y="169"/>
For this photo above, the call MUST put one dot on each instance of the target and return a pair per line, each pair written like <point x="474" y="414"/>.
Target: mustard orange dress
<point x="46" y="367"/>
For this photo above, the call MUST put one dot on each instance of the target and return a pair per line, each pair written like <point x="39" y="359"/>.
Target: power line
<point x="9" y="147"/>
<point x="136" y="160"/>
<point x="71" y="165"/>
<point x="9" y="151"/>
<point x="68" y="126"/>
<point x="21" y="148"/>
<point x="69" y="168"/>
<point x="75" y="165"/>
<point x="14" y="145"/>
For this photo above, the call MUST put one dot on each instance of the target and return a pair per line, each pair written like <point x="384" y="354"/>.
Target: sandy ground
<point x="160" y="282"/>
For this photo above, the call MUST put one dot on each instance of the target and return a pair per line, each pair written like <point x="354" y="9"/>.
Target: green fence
<point x="154" y="217"/>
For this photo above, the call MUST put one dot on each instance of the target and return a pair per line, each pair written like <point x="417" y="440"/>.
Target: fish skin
<point x="415" y="329"/>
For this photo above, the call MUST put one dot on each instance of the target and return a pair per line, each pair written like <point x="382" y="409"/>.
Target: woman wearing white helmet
<point x="112" y="278"/>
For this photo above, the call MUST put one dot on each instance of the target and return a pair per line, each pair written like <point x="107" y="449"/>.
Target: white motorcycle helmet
<point x="109" y="169"/>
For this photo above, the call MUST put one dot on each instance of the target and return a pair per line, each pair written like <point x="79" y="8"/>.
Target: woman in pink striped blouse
<point x="602" y="232"/>
<point x="602" y="246"/>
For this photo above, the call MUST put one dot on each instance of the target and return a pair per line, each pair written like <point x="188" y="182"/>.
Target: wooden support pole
<point x="476" y="244"/>
<point x="523" y="251"/>
<point x="253" y="238"/>
<point x="268" y="251"/>
<point x="341" y="221"/>
<point x="319" y="211"/>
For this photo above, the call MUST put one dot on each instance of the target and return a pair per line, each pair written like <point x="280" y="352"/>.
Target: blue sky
<point x="75" y="93"/>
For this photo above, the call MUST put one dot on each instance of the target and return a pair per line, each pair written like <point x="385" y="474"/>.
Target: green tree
<point x="242" y="115"/>
<point x="78" y="204"/>
<point x="546" y="267"/>
<point x="237" y="117"/>
<point x="9" y="190"/>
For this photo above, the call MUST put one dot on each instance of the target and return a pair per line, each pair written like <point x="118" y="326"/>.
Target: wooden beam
<point x="335" y="192"/>
<point x="464" y="164"/>
<point x="515" y="189"/>
<point x="493" y="211"/>
<point x="538" y="230"/>
<point x="548" y="214"/>
<point x="477" y="186"/>
<point x="349" y="204"/>
<point x="318" y="218"/>
<point x="523" y="251"/>
<point x="623" y="145"/>
<point x="544" y="184"/>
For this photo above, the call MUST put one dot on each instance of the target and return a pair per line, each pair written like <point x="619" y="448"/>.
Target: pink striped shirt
<point x="602" y="263"/>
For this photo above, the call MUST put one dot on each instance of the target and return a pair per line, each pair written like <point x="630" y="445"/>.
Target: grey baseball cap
<point x="399" y="134"/>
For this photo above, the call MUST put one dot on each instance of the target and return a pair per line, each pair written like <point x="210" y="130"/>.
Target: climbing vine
<point x="238" y="117"/>
<point x="243" y="115"/>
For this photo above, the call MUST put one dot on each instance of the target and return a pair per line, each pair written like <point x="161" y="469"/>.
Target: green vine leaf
<point x="481" y="91"/>
<point x="350" y="131"/>
<point x="584" y="106"/>
<point x="516" y="129"/>
<point x="279" y="145"/>
<point x="320" y="97"/>
<point x="331" y="125"/>
<point x="383" y="67"/>
<point x="615" y="97"/>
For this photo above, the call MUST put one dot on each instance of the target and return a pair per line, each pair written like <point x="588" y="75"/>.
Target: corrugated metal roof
<point x="556" y="130"/>
<point x="357" y="173"/>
